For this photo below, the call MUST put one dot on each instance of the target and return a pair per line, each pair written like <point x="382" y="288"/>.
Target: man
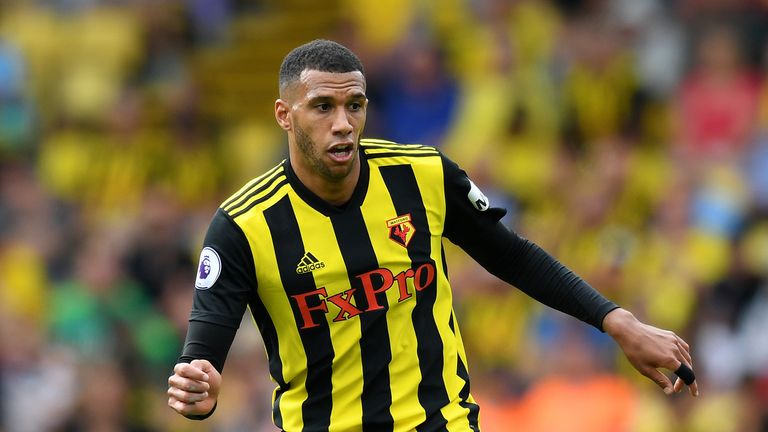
<point x="337" y="251"/>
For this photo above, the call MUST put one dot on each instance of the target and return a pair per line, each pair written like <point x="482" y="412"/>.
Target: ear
<point x="283" y="114"/>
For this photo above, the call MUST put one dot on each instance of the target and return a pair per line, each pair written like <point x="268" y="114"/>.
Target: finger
<point x="180" y="407"/>
<point x="686" y="357"/>
<point x="684" y="344"/>
<point x="694" y="389"/>
<point x="186" y="397"/>
<point x="187" y="384"/>
<point x="660" y="379"/>
<point x="175" y="404"/>
<point x="203" y="365"/>
<point x="685" y="353"/>
<point x="190" y="370"/>
<point x="685" y="373"/>
<point x="679" y="385"/>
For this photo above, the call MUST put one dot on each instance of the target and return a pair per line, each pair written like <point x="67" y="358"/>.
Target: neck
<point x="334" y="191"/>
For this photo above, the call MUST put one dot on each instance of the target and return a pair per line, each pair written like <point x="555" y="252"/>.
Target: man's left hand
<point x="649" y="348"/>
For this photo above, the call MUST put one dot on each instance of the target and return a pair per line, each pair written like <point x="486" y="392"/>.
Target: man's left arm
<point x="474" y="225"/>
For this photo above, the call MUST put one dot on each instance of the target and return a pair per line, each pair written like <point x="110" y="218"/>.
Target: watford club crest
<point x="401" y="230"/>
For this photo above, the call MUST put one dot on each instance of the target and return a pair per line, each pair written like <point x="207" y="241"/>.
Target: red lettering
<point x="370" y="291"/>
<point x="402" y="284"/>
<point x="430" y="276"/>
<point x="374" y="282"/>
<point x="342" y="301"/>
<point x="306" y="309"/>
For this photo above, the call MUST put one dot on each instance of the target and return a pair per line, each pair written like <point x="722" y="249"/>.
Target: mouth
<point x="342" y="152"/>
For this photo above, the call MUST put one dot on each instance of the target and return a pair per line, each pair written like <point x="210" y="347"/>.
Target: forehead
<point x="315" y="83"/>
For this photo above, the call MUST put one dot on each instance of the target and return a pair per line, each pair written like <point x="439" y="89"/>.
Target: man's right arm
<point x="226" y="280"/>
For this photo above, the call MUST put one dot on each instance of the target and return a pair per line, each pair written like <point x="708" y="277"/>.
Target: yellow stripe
<point x="391" y="145"/>
<point x="243" y="190"/>
<point x="462" y="419"/>
<point x="377" y="141"/>
<point x="429" y="176"/>
<point x="277" y="303"/>
<point x="415" y="151"/>
<point x="251" y="185"/>
<point x="318" y="236"/>
<point x="278" y="178"/>
<point x="403" y="376"/>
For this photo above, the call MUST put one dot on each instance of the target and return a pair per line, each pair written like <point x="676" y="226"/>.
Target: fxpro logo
<point x="373" y="283"/>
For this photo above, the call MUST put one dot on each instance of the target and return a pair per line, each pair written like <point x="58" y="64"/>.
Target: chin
<point x="340" y="172"/>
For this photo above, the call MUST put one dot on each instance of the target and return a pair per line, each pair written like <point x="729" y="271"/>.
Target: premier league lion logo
<point x="205" y="267"/>
<point x="209" y="269"/>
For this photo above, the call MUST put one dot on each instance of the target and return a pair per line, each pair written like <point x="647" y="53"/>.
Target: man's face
<point x="326" y="115"/>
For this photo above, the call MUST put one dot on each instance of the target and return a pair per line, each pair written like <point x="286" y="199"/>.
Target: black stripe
<point x="359" y="257"/>
<point x="289" y="249"/>
<point x="256" y="182"/>
<point x="399" y="148"/>
<point x="406" y="196"/>
<point x="445" y="265"/>
<point x="461" y="371"/>
<point x="397" y="154"/>
<point x="269" y="195"/>
<point x="265" y="184"/>
<point x="393" y="144"/>
<point x="312" y="258"/>
<point x="272" y="346"/>
<point x="366" y="145"/>
<point x="379" y="140"/>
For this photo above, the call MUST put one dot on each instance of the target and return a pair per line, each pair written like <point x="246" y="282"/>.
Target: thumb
<point x="660" y="379"/>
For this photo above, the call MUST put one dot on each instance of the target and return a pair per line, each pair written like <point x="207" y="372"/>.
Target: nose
<point x="341" y="123"/>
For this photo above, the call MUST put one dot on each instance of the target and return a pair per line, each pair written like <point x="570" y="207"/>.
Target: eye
<point x="355" y="106"/>
<point x="324" y="107"/>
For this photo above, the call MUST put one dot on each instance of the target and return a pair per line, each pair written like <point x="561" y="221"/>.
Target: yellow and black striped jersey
<point x="353" y="302"/>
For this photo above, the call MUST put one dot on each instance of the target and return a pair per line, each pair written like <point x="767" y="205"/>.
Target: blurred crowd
<point x="627" y="137"/>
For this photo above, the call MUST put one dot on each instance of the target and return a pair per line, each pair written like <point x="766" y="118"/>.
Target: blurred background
<point x="627" y="137"/>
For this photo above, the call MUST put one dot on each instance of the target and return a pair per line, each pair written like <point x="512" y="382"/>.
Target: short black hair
<point x="321" y="55"/>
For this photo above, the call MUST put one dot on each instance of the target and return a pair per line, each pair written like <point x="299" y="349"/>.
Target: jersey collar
<point x="322" y="206"/>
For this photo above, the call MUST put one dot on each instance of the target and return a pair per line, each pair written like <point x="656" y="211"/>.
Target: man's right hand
<point x="193" y="389"/>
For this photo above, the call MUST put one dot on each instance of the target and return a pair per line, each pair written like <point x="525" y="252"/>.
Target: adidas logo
<point x="309" y="263"/>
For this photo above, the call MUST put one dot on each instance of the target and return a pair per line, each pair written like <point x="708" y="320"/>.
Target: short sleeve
<point x="226" y="276"/>
<point x="468" y="211"/>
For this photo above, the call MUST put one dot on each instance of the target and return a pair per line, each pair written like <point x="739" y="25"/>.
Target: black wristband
<point x="686" y="374"/>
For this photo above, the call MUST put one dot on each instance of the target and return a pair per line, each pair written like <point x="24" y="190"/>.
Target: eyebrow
<point x="323" y="98"/>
